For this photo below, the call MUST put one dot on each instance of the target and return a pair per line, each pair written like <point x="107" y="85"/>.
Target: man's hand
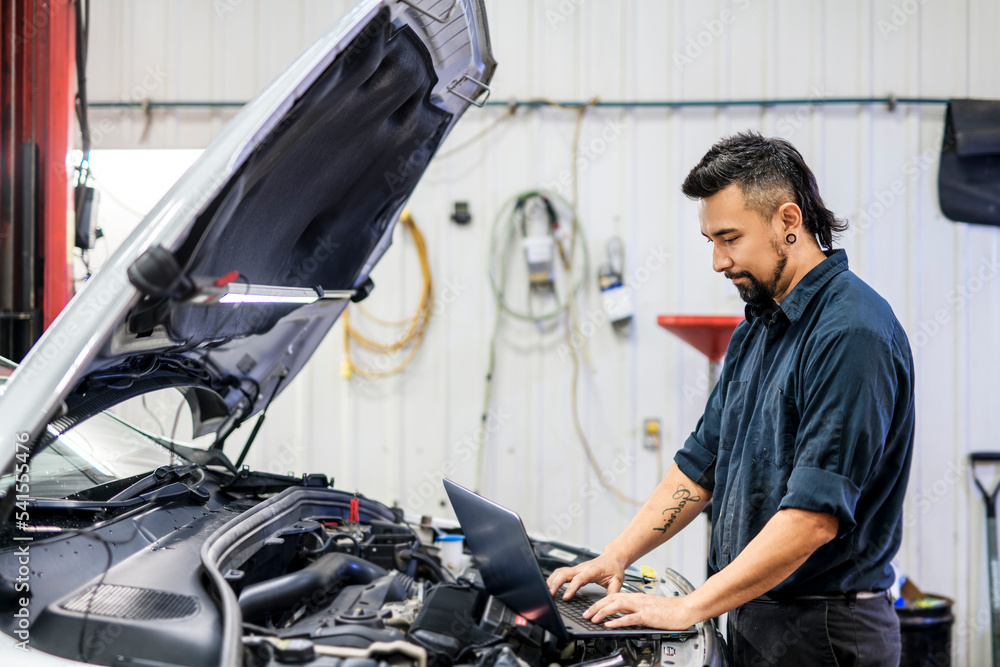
<point x="675" y="503"/>
<point x="654" y="611"/>
<point x="603" y="570"/>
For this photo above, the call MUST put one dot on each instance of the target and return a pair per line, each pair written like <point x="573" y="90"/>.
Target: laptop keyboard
<point x="581" y="602"/>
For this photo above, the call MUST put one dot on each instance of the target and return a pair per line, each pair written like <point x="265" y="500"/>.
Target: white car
<point x="120" y="547"/>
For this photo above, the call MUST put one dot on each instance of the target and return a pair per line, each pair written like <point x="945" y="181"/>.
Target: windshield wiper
<point x="155" y="478"/>
<point x="169" y="493"/>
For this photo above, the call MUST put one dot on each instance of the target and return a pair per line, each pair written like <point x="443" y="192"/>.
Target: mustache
<point x="731" y="275"/>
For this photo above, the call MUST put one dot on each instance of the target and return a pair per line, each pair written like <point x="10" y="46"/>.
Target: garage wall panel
<point x="395" y="438"/>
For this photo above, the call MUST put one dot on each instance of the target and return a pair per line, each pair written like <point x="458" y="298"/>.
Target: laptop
<point x="510" y="571"/>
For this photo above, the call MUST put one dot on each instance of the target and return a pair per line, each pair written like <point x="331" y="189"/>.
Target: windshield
<point x="102" y="449"/>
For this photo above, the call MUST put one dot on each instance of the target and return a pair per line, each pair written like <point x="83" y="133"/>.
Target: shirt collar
<point x="795" y="303"/>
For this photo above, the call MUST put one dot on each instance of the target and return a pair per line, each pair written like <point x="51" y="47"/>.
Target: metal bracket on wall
<point x="472" y="100"/>
<point x="438" y="19"/>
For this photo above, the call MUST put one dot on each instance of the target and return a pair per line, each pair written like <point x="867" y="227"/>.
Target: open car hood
<point x="295" y="199"/>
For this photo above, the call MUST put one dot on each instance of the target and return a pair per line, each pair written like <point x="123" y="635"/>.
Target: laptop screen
<point x="506" y="560"/>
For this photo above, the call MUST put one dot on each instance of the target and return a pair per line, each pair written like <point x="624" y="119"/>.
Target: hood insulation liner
<point x="312" y="201"/>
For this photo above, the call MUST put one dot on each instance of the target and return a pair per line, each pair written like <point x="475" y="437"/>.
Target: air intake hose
<point x="310" y="584"/>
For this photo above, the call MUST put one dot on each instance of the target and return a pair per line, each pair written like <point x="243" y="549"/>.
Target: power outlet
<point x="651" y="434"/>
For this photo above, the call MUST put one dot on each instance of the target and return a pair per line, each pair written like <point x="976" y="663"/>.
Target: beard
<point x="758" y="292"/>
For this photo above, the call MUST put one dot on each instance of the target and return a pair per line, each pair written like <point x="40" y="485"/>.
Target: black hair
<point x="770" y="172"/>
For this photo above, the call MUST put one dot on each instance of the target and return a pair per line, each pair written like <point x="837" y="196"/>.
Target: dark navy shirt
<point x="814" y="411"/>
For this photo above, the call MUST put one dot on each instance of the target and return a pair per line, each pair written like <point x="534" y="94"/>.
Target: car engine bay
<point x="287" y="571"/>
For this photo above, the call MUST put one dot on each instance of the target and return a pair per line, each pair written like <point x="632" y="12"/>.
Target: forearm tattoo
<point x="683" y="497"/>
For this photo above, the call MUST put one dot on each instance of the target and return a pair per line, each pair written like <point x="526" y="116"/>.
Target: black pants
<point x="815" y="632"/>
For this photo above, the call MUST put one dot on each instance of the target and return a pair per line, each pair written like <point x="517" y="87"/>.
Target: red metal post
<point x="8" y="16"/>
<point x="58" y="93"/>
<point x="37" y="93"/>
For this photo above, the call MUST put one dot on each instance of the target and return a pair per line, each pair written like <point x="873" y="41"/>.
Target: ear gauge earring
<point x="791" y="238"/>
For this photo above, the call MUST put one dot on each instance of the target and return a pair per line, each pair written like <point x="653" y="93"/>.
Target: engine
<point x="350" y="583"/>
<point x="260" y="572"/>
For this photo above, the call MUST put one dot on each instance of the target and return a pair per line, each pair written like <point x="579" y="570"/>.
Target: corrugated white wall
<point x="392" y="438"/>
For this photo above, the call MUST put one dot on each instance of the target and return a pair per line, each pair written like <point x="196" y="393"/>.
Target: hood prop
<point x="260" y="422"/>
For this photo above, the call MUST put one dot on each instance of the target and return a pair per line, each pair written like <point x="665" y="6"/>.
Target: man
<point x="805" y="442"/>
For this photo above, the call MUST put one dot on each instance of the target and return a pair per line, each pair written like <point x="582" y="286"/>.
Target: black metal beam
<point x="889" y="101"/>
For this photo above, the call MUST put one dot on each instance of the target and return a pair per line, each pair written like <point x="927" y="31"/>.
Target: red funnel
<point x="710" y="334"/>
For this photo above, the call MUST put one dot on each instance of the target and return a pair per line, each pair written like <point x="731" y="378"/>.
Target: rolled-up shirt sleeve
<point x="849" y="386"/>
<point x="697" y="457"/>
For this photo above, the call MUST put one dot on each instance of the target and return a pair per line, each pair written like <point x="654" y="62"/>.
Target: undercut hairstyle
<point x="769" y="172"/>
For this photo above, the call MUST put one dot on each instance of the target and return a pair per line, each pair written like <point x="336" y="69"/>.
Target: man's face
<point x="745" y="248"/>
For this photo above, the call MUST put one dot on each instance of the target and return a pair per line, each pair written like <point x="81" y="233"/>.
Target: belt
<point x="844" y="597"/>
